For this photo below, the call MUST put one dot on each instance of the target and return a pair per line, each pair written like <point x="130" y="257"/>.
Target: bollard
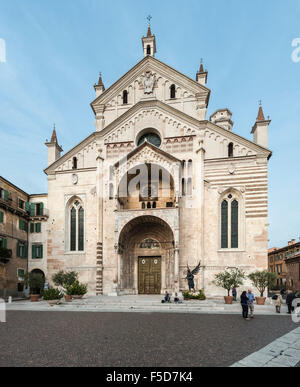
<point x="10" y="299"/>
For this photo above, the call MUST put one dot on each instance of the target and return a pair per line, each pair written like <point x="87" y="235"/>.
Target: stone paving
<point x="283" y="352"/>
<point x="144" y="304"/>
<point x="51" y="339"/>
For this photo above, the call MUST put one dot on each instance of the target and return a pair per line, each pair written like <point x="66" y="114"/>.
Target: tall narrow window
<point x="189" y="186"/>
<point x="77" y="228"/>
<point x="148" y="49"/>
<point x="234" y="224"/>
<point x="173" y="92"/>
<point x="111" y="191"/>
<point x="224" y="225"/>
<point x="74" y="166"/>
<point x="183" y="187"/>
<point x="125" y="97"/>
<point x="230" y="150"/>
<point x="73" y="230"/>
<point x="80" y="229"/>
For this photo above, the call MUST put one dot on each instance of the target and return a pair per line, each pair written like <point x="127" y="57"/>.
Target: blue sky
<point x="55" y="50"/>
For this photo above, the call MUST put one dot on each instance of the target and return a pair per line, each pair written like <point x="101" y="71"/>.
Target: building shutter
<point x="33" y="252"/>
<point x="224" y="225"/>
<point x="18" y="249"/>
<point x="32" y="209"/>
<point x="41" y="208"/>
<point x="25" y="255"/>
<point x="4" y="243"/>
<point x="27" y="206"/>
<point x="1" y="217"/>
<point x="234" y="224"/>
<point x="6" y="195"/>
<point x="41" y="251"/>
<point x="38" y="227"/>
<point x="31" y="227"/>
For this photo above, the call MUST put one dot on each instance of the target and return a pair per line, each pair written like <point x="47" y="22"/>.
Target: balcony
<point x="5" y="255"/>
<point x="37" y="213"/>
<point x="292" y="255"/>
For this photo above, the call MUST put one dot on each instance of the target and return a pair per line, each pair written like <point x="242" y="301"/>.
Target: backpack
<point x="275" y="297"/>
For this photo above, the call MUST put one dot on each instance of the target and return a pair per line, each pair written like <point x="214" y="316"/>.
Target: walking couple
<point x="247" y="302"/>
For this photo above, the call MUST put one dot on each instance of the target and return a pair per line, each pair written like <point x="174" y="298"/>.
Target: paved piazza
<point x="134" y="339"/>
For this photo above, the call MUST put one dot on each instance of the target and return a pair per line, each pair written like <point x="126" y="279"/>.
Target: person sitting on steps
<point x="167" y="297"/>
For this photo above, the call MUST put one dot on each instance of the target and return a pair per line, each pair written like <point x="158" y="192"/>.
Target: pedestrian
<point x="245" y="307"/>
<point x="250" y="296"/>
<point x="234" y="294"/>
<point x="278" y="303"/>
<point x="289" y="301"/>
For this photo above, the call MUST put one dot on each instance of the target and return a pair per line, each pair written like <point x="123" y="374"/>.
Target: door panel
<point x="149" y="275"/>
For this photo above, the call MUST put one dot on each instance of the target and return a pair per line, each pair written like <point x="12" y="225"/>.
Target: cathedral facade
<point x="156" y="187"/>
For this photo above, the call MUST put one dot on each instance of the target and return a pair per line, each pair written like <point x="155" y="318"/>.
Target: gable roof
<point x="132" y="72"/>
<point x="151" y="146"/>
<point x="170" y="110"/>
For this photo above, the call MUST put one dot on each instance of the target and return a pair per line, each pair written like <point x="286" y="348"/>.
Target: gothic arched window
<point x="76" y="231"/>
<point x="230" y="150"/>
<point x="230" y="223"/>
<point x="173" y="92"/>
<point x="125" y="97"/>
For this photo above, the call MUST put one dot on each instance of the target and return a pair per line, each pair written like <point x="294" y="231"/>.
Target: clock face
<point x="152" y="138"/>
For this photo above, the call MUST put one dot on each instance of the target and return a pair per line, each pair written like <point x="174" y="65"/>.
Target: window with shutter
<point x="224" y="225"/>
<point x="4" y="243"/>
<point x="1" y="217"/>
<point x="6" y="195"/>
<point x="38" y="227"/>
<point x="25" y="254"/>
<point x="31" y="227"/>
<point x="33" y="252"/>
<point x="234" y="224"/>
<point x="32" y="209"/>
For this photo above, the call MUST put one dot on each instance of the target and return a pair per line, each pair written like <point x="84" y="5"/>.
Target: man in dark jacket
<point x="289" y="301"/>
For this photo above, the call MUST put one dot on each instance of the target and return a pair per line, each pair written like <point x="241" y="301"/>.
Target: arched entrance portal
<point x="146" y="249"/>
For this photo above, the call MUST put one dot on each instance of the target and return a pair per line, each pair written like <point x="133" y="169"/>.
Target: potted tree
<point x="262" y="280"/>
<point x="65" y="280"/>
<point x="77" y="290"/>
<point x="229" y="279"/>
<point x="53" y="296"/>
<point x="36" y="282"/>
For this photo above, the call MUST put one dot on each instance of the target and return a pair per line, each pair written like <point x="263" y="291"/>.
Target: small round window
<point x="152" y="138"/>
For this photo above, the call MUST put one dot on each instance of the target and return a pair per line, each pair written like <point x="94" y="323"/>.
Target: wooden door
<point x="149" y="275"/>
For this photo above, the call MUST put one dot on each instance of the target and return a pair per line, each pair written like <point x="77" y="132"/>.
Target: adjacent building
<point x="285" y="263"/>
<point x="22" y="236"/>
<point x="14" y="221"/>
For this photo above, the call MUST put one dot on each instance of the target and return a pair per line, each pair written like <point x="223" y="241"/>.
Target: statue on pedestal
<point x="190" y="276"/>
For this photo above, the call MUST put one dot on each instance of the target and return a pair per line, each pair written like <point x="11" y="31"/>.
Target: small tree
<point x="262" y="280"/>
<point x="65" y="279"/>
<point x="229" y="279"/>
<point x="35" y="281"/>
